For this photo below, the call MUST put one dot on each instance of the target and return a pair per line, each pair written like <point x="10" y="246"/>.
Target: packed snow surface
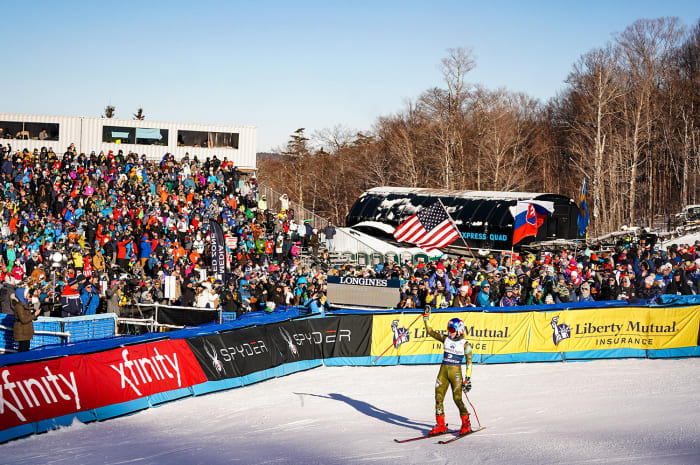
<point x="598" y="412"/>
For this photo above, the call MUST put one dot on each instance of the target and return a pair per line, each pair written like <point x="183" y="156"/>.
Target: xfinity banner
<point x="42" y="390"/>
<point x="363" y="292"/>
<point x="249" y="350"/>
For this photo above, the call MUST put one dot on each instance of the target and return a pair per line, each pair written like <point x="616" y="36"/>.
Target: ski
<point x="425" y="436"/>
<point x="459" y="436"/>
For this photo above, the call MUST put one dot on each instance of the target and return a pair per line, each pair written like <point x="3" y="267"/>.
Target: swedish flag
<point x="583" y="212"/>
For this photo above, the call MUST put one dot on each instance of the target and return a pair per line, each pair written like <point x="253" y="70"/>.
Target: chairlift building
<point x="485" y="219"/>
<point x="152" y="138"/>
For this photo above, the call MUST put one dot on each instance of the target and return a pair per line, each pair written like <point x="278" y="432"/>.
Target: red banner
<point x="42" y="390"/>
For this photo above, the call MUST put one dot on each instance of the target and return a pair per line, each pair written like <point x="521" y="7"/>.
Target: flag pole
<point x="455" y="226"/>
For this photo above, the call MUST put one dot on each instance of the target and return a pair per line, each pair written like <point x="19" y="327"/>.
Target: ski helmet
<point x="455" y="325"/>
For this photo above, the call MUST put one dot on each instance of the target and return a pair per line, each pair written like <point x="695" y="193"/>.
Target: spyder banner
<point x="249" y="350"/>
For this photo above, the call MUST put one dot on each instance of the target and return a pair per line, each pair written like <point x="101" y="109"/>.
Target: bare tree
<point x="595" y="89"/>
<point x="645" y="48"/>
<point x="445" y="108"/>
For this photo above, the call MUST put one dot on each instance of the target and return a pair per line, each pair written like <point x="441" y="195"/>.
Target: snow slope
<point x="599" y="412"/>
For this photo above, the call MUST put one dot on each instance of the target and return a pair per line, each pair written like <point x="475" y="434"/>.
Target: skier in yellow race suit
<point x="456" y="348"/>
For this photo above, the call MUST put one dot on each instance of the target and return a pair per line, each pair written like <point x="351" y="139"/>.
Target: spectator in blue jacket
<point x="90" y="299"/>
<point x="484" y="297"/>
<point x="146" y="250"/>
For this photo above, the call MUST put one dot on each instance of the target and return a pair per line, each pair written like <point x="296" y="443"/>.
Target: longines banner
<point x="365" y="292"/>
<point x="245" y="351"/>
<point x="615" y="328"/>
<point x="42" y="390"/>
<point x="489" y="333"/>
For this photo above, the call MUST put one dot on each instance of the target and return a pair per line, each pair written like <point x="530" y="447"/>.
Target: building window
<point x="140" y="136"/>
<point x="28" y="131"/>
<point x="146" y="136"/>
<point x="226" y="140"/>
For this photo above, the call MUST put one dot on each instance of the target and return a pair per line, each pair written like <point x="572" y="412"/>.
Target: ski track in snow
<point x="599" y="412"/>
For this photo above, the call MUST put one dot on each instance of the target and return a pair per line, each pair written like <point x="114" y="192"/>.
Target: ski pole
<point x="472" y="406"/>
<point x="394" y="341"/>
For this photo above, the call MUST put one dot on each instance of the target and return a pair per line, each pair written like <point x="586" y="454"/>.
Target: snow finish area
<point x="599" y="412"/>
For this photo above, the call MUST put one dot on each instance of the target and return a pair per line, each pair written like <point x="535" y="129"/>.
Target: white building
<point x="153" y="138"/>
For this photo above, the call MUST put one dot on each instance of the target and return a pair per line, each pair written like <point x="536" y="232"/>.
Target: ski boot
<point x="440" y="427"/>
<point x="466" y="425"/>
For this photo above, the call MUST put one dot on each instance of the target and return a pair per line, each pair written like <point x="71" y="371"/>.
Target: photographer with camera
<point x="71" y="304"/>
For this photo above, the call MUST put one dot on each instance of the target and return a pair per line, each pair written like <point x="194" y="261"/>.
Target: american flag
<point x="429" y="229"/>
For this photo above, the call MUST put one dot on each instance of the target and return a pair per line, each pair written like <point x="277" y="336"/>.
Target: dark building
<point x="485" y="219"/>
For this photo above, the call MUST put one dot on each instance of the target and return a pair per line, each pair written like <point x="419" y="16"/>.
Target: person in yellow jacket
<point x="456" y="348"/>
<point x="439" y="297"/>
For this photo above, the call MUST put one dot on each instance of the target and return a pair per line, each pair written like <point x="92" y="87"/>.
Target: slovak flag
<point x="529" y="216"/>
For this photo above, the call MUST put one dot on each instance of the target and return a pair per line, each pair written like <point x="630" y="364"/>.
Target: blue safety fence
<point x="42" y="325"/>
<point x="89" y="327"/>
<point x="101" y="324"/>
<point x="80" y="328"/>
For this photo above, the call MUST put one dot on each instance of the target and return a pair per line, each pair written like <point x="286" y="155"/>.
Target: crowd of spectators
<point x="633" y="272"/>
<point x="100" y="231"/>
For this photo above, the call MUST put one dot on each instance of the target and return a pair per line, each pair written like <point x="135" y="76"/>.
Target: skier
<point x="456" y="347"/>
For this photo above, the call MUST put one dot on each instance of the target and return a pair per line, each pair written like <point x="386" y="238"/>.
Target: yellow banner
<point x="615" y="328"/>
<point x="488" y="333"/>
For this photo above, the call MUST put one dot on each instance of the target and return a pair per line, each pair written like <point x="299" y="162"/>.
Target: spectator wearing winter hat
<point x="90" y="299"/>
<point x="537" y="297"/>
<point x="71" y="304"/>
<point x="463" y="297"/>
<point x="440" y="297"/>
<point x="483" y="299"/>
<point x="648" y="291"/>
<point x="679" y="284"/>
<point x="439" y="275"/>
<point x="609" y="289"/>
<point x="626" y="290"/>
<point x="25" y="304"/>
<point x="508" y="299"/>
<point x="585" y="293"/>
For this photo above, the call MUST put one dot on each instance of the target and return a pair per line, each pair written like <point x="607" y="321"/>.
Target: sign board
<point x="363" y="292"/>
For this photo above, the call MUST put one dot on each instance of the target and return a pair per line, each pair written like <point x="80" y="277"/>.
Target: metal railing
<point x="152" y="323"/>
<point x="65" y="334"/>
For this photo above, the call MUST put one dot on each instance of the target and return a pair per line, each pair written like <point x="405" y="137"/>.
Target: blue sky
<point x="284" y="65"/>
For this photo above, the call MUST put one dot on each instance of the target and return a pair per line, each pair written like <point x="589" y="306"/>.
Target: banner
<point x="218" y="249"/>
<point x="245" y="351"/>
<point x="488" y="333"/>
<point x="234" y="353"/>
<point x="184" y="317"/>
<point x="344" y="336"/>
<point x="42" y="390"/>
<point x="366" y="292"/>
<point x="615" y="328"/>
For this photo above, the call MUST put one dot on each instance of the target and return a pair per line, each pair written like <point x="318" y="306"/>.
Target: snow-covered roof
<point x="455" y="193"/>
